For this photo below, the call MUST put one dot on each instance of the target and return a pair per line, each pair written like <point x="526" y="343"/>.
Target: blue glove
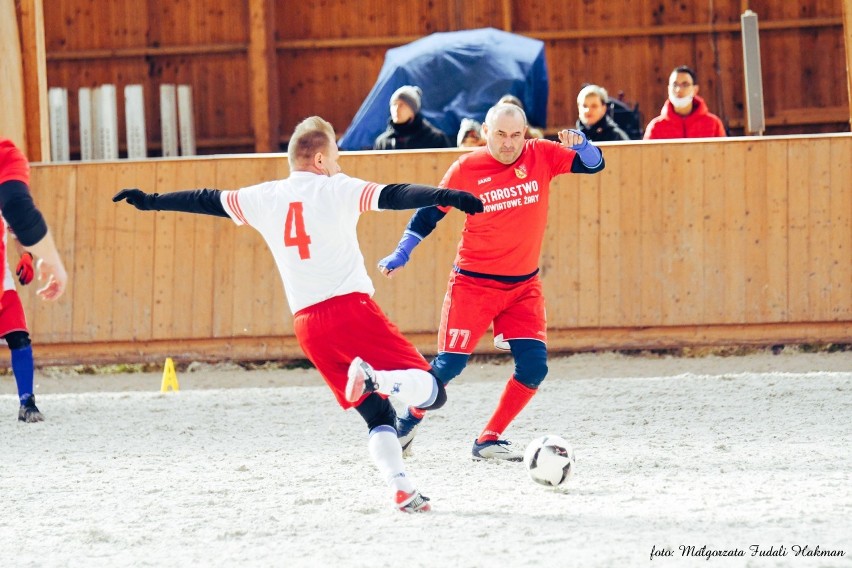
<point x="400" y="256"/>
<point x="589" y="154"/>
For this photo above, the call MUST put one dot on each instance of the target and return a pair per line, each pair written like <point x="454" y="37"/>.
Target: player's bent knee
<point x="18" y="340"/>
<point x="440" y="398"/>
<point x="532" y="375"/>
<point x="377" y="411"/>
<point x="447" y="366"/>
<point x="530" y="362"/>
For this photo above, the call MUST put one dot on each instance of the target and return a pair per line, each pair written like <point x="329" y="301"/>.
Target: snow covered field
<point x="261" y="468"/>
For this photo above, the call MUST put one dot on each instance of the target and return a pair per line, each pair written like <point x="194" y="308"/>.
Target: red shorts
<point x="335" y="331"/>
<point x="472" y="304"/>
<point x="11" y="313"/>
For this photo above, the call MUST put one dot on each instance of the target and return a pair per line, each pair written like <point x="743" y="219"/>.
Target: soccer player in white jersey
<point x="309" y="223"/>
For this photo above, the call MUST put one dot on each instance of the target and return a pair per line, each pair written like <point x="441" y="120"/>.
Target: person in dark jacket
<point x="595" y="122"/>
<point x="407" y="129"/>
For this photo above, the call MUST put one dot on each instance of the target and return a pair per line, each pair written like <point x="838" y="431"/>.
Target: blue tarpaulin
<point x="462" y="74"/>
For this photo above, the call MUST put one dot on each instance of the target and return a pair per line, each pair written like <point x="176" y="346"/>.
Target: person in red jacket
<point x="685" y="114"/>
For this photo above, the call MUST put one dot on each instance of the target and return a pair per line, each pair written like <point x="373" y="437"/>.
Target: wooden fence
<point x="258" y="67"/>
<point x="741" y="241"/>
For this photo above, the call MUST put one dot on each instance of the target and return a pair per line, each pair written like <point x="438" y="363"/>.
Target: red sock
<point x="515" y="397"/>
<point x="416" y="412"/>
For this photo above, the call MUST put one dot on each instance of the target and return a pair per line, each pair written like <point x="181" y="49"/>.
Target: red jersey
<point x="506" y="238"/>
<point x="13" y="166"/>
<point x="13" y="163"/>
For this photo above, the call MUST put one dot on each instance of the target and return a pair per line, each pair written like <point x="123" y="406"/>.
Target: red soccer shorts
<point x="472" y="304"/>
<point x="335" y="331"/>
<point x="12" y="316"/>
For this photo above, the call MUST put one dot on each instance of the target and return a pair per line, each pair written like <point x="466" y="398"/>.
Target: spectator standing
<point x="685" y="114"/>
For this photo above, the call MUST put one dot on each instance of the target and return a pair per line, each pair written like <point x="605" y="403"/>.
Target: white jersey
<point x="309" y="223"/>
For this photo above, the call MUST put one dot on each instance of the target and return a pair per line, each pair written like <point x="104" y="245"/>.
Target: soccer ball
<point x="549" y="460"/>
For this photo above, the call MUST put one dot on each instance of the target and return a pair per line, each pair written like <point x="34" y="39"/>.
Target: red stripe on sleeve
<point x="234" y="204"/>
<point x="367" y="196"/>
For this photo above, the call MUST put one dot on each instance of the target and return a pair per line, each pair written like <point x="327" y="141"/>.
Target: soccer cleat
<point x="406" y="429"/>
<point x="29" y="412"/>
<point x="496" y="450"/>
<point x="362" y="380"/>
<point x="412" y="502"/>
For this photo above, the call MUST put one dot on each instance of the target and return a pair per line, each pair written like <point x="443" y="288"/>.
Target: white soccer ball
<point x="549" y="460"/>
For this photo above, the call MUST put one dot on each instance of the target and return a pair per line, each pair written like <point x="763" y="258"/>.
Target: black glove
<point x="137" y="198"/>
<point x="462" y="200"/>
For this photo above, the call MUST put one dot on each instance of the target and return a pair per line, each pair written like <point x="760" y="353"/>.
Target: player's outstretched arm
<point x="424" y="220"/>
<point x="415" y="196"/>
<point x="422" y="223"/>
<point x="202" y="201"/>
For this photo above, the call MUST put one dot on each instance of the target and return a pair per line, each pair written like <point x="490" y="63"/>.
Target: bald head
<point x="504" y="130"/>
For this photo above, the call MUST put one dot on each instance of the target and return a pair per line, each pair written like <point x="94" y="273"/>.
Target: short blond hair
<point x="597" y="90"/>
<point x="312" y="135"/>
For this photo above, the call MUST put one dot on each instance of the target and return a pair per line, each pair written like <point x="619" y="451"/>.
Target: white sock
<point x="412" y="386"/>
<point x="387" y="455"/>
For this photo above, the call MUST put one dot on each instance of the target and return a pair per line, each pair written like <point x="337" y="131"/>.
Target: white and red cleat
<point x="361" y="380"/>
<point x="412" y="502"/>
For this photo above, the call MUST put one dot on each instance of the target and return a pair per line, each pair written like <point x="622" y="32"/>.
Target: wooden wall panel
<point x="54" y="190"/>
<point x="714" y="259"/>
<point x="73" y="25"/>
<point x="677" y="243"/>
<point x="841" y="230"/>
<point x="329" y="55"/>
<point x="178" y="22"/>
<point x="375" y="18"/>
<point x="327" y="82"/>
<point x="736" y="219"/>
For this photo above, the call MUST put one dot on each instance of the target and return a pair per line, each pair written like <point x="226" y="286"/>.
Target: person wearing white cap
<point x="407" y="128"/>
<point x="470" y="134"/>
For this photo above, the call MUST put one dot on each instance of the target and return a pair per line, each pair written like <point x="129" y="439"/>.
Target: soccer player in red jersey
<point x="26" y="221"/>
<point x="494" y="278"/>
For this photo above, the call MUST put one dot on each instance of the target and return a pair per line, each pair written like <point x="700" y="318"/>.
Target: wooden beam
<point x="12" y="121"/>
<point x="203" y="49"/>
<point x="684" y="29"/>
<point x="847" y="40"/>
<point x="263" y="75"/>
<point x="295" y="44"/>
<point x="507" y="15"/>
<point x="33" y="62"/>
<point x="648" y="31"/>
<point x="802" y="116"/>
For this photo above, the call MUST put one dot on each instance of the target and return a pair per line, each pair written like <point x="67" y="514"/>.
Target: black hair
<point x="688" y="71"/>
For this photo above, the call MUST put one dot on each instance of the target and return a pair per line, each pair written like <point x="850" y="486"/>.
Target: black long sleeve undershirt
<point x="20" y="212"/>
<point x="410" y="196"/>
<point x="204" y="201"/>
